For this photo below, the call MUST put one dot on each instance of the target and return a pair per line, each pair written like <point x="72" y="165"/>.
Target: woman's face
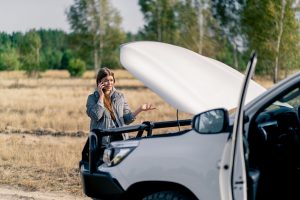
<point x="108" y="83"/>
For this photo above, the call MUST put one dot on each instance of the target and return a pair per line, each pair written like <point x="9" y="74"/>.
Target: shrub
<point x="9" y="60"/>
<point x="76" y="67"/>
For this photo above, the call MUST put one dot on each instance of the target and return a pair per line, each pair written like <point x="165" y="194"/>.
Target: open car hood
<point x="186" y="80"/>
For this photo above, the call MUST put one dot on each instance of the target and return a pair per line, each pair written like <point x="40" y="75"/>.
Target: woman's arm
<point x="129" y="116"/>
<point x="94" y="108"/>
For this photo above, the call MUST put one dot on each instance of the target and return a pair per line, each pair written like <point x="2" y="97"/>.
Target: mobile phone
<point x="103" y="87"/>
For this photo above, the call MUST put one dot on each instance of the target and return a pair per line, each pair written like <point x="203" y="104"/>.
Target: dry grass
<point x="40" y="163"/>
<point x="57" y="102"/>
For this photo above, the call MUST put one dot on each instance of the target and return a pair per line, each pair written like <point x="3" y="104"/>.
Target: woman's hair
<point x="103" y="72"/>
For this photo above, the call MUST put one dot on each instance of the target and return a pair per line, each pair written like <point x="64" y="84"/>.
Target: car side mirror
<point x="211" y="122"/>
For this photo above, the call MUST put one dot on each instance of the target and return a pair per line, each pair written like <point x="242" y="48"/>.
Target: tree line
<point x="224" y="30"/>
<point x="36" y="51"/>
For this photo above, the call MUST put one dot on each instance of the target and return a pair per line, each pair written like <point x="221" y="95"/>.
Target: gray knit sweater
<point x="100" y="116"/>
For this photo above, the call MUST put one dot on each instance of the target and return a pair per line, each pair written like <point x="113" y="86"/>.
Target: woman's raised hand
<point x="146" y="107"/>
<point x="100" y="90"/>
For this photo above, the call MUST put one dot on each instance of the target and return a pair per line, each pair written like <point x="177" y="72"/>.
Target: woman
<point x="108" y="107"/>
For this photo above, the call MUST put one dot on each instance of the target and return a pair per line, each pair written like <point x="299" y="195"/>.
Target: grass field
<point x="44" y="126"/>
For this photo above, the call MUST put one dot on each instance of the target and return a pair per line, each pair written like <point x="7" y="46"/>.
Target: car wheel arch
<point x="141" y="189"/>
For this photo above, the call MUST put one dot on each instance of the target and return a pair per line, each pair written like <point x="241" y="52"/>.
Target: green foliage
<point x="4" y="39"/>
<point x="228" y="14"/>
<point x="9" y="56"/>
<point x="261" y="20"/>
<point x="16" y="39"/>
<point x="9" y="60"/>
<point x="65" y="60"/>
<point x="226" y="54"/>
<point x="30" y="53"/>
<point x="76" y="67"/>
<point x="31" y="42"/>
<point x="53" y="44"/>
<point x="160" y="20"/>
<point x="51" y="58"/>
<point x="111" y="51"/>
<point x="196" y="27"/>
<point x="52" y="39"/>
<point x="96" y="33"/>
<point x="48" y="46"/>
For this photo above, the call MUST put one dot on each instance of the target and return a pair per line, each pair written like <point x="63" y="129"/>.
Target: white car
<point x="253" y="154"/>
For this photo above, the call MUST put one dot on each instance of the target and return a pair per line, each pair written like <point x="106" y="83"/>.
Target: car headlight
<point x="117" y="151"/>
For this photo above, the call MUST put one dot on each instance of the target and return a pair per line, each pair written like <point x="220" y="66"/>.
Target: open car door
<point x="232" y="177"/>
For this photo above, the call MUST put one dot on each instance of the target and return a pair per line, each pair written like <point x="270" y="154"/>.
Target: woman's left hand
<point x="143" y="107"/>
<point x="146" y="107"/>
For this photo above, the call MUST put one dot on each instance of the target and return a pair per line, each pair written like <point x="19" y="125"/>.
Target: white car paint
<point x="188" y="159"/>
<point x="174" y="72"/>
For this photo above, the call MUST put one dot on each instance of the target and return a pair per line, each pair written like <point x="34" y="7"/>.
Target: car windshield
<point x="290" y="100"/>
<point x="293" y="98"/>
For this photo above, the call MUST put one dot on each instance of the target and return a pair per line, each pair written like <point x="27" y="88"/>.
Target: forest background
<point x="225" y="30"/>
<point x="46" y="75"/>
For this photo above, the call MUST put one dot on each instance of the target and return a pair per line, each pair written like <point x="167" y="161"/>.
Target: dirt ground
<point x="11" y="193"/>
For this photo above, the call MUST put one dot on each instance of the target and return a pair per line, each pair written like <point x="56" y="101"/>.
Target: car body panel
<point x="174" y="72"/>
<point x="188" y="159"/>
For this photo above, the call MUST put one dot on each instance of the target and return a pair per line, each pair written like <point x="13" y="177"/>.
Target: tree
<point x="92" y="21"/>
<point x="65" y="60"/>
<point x="76" y="67"/>
<point x="51" y="58"/>
<point x="30" y="53"/>
<point x="8" y="55"/>
<point x="9" y="59"/>
<point x="160" y="20"/>
<point x="4" y="40"/>
<point x="53" y="44"/>
<point x="273" y="31"/>
<point x="228" y="14"/>
<point x="16" y="39"/>
<point x="52" y="39"/>
<point x="196" y="26"/>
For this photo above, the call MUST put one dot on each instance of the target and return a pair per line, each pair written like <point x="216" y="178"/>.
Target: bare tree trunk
<point x="96" y="65"/>
<point x="36" y="71"/>
<point x="159" y="31"/>
<point x="236" y="63"/>
<point x="93" y="13"/>
<point x="276" y="69"/>
<point x="199" y="9"/>
<point x="102" y="27"/>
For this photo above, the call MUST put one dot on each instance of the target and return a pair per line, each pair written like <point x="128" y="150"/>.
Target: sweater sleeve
<point x="128" y="115"/>
<point x="94" y="108"/>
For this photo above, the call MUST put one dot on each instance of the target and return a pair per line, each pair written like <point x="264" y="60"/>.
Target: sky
<point x="23" y="15"/>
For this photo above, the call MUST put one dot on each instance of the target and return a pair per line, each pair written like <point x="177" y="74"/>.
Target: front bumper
<point x="99" y="184"/>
